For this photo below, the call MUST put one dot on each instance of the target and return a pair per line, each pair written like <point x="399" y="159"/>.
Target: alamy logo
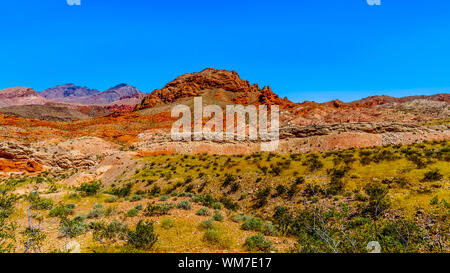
<point x="257" y="123"/>
<point x="73" y="2"/>
<point x="374" y="2"/>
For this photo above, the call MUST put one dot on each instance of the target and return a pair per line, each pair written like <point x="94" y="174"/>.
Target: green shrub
<point x="269" y="229"/>
<point x="240" y="217"/>
<point x="73" y="227"/>
<point x="62" y="210"/>
<point x="212" y="235"/>
<point x="74" y="196"/>
<point x="258" y="243"/>
<point x="207" y="224"/>
<point x="261" y="197"/>
<point x="135" y="198"/>
<point x="39" y="203"/>
<point x="109" y="211"/>
<point x="378" y="198"/>
<point x="203" y="212"/>
<point x="143" y="237"/>
<point x="217" y="216"/>
<point x="186" y="205"/>
<point x="112" y="199"/>
<point x="433" y="175"/>
<point x="91" y="188"/>
<point x="132" y="212"/>
<point x="280" y="190"/>
<point x="155" y="210"/>
<point x="434" y="200"/>
<point x="229" y="203"/>
<point x="252" y="223"/>
<point x="96" y="212"/>
<point x="123" y="191"/>
<point x="218" y="206"/>
<point x="167" y="223"/>
<point x="163" y="197"/>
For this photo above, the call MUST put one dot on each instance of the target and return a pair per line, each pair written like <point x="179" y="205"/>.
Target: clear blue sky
<point x="305" y="49"/>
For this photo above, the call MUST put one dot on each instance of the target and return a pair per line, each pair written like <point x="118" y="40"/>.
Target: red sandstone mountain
<point x="20" y="96"/>
<point x="225" y="85"/>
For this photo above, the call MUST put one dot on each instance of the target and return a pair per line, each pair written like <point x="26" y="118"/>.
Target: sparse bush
<point x="135" y="198"/>
<point x="132" y="212"/>
<point x="167" y="223"/>
<point x="155" y="210"/>
<point x="378" y="199"/>
<point x="252" y="223"/>
<point x="280" y="190"/>
<point x="163" y="197"/>
<point x="112" y="199"/>
<point x="203" y="212"/>
<point x="207" y="224"/>
<point x="269" y="229"/>
<point x="62" y="210"/>
<point x="282" y="218"/>
<point x="91" y="188"/>
<point x="186" y="205"/>
<point x="434" y="200"/>
<point x="229" y="203"/>
<point x="73" y="227"/>
<point x="39" y="203"/>
<point x="261" y="197"/>
<point x="143" y="237"/>
<point x="293" y="189"/>
<point x="229" y="178"/>
<point x="212" y="235"/>
<point x="433" y="175"/>
<point x="218" y="206"/>
<point x="123" y="191"/>
<point x="258" y="243"/>
<point x="217" y="216"/>
<point x="96" y="212"/>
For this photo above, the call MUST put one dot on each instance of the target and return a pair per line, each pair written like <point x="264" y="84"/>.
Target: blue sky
<point x="305" y="49"/>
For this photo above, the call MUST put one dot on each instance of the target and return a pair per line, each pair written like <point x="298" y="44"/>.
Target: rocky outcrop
<point x="192" y="84"/>
<point x="9" y="166"/>
<point x="19" y="154"/>
<point x="365" y="127"/>
<point x="423" y="107"/>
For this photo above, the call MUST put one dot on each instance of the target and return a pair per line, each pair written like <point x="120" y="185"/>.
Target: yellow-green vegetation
<point x="317" y="202"/>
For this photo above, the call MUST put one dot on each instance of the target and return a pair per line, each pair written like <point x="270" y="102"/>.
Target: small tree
<point x="143" y="237"/>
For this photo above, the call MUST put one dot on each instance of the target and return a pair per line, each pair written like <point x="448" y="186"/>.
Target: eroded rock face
<point x="8" y="166"/>
<point x="301" y="139"/>
<point x="25" y="157"/>
<point x="191" y="85"/>
<point x="365" y="127"/>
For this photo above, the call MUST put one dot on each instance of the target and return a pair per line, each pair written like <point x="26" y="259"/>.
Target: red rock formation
<point x="7" y="165"/>
<point x="191" y="84"/>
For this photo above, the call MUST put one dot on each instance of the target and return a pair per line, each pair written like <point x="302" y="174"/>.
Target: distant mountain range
<point x="70" y="93"/>
<point x="214" y="85"/>
<point x="67" y="102"/>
